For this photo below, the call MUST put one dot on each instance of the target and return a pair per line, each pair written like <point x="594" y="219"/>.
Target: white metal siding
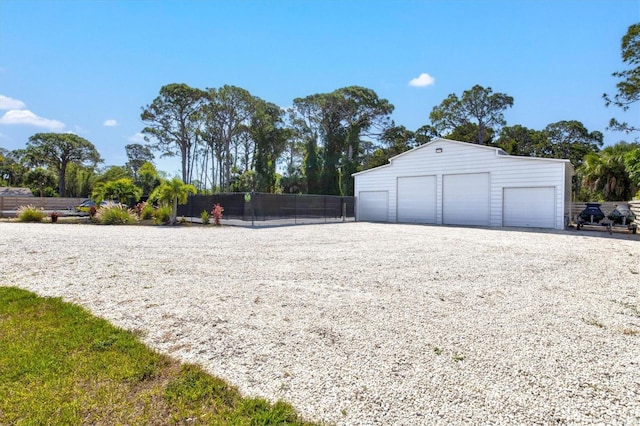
<point x="417" y="199"/>
<point x="530" y="207"/>
<point x="465" y="199"/>
<point x="568" y="174"/>
<point x="456" y="158"/>
<point x="373" y="206"/>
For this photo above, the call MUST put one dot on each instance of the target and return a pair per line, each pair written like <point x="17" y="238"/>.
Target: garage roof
<point x="499" y="152"/>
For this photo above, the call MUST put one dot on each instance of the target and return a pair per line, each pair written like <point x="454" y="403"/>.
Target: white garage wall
<point x="382" y="180"/>
<point x="464" y="158"/>
<point x="568" y="185"/>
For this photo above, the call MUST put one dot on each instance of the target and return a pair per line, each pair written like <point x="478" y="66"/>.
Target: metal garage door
<point x="529" y="207"/>
<point x="417" y="199"/>
<point x="373" y="206"/>
<point x="465" y="199"/>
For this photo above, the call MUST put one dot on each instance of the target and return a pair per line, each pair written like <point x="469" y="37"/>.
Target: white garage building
<point x="458" y="183"/>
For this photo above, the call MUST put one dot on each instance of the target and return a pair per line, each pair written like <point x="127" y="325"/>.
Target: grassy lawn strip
<point x="61" y="365"/>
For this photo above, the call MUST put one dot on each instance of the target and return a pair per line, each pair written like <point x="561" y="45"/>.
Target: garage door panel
<point x="529" y="207"/>
<point x="417" y="199"/>
<point x="373" y="206"/>
<point x="465" y="199"/>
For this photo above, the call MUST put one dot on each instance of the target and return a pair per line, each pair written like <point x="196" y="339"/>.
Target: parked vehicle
<point x="592" y="216"/>
<point x="622" y="215"/>
<point x="87" y="204"/>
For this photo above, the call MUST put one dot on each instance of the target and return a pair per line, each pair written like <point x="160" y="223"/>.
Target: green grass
<point x="61" y="365"/>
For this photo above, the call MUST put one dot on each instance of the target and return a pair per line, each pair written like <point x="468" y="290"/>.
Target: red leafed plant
<point x="217" y="214"/>
<point x="54" y="216"/>
<point x="92" y="211"/>
<point x="140" y="207"/>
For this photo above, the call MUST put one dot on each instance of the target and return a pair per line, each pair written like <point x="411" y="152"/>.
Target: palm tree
<point x="173" y="192"/>
<point x="123" y="190"/>
<point x="607" y="173"/>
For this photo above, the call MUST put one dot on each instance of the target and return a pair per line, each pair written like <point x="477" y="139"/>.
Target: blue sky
<point x="89" y="67"/>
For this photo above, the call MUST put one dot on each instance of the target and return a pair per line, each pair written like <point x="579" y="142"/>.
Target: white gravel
<point x="361" y="323"/>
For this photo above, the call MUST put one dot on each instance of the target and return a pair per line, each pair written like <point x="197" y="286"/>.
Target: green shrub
<point x="585" y="194"/>
<point x="162" y="215"/>
<point x="144" y="210"/>
<point x="147" y="212"/>
<point x="205" y="217"/>
<point x="30" y="213"/>
<point x="115" y="214"/>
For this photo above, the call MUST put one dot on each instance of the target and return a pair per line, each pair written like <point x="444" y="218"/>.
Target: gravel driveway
<point x="360" y="323"/>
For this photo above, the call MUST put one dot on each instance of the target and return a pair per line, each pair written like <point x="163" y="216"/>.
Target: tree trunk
<point x="227" y="166"/>
<point x="174" y="212"/>
<point x="183" y="153"/>
<point x="61" y="179"/>
<point x="481" y="133"/>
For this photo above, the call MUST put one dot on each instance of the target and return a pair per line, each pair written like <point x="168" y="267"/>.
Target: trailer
<point x="609" y="225"/>
<point x="593" y="217"/>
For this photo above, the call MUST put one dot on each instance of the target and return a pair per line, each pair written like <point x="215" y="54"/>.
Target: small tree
<point x="123" y="190"/>
<point x="41" y="181"/>
<point x="148" y="179"/>
<point x="173" y="192"/>
<point x="138" y="155"/>
<point x="632" y="164"/>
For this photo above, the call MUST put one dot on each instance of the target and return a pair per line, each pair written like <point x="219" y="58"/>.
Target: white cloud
<point x="10" y="103"/>
<point x="79" y="130"/>
<point x="17" y="114"/>
<point x="423" y="80"/>
<point x="110" y="123"/>
<point x="27" y="118"/>
<point x="138" y="138"/>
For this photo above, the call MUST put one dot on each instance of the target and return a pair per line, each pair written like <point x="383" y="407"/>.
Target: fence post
<point x="253" y="211"/>
<point x="634" y="206"/>
<point x="1" y="205"/>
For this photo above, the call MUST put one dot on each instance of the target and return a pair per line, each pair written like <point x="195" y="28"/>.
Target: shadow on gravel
<point x="619" y="233"/>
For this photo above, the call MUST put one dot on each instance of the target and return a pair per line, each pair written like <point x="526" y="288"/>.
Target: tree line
<point x="227" y="139"/>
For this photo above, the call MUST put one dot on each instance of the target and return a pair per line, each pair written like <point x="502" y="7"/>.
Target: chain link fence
<point x="259" y="206"/>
